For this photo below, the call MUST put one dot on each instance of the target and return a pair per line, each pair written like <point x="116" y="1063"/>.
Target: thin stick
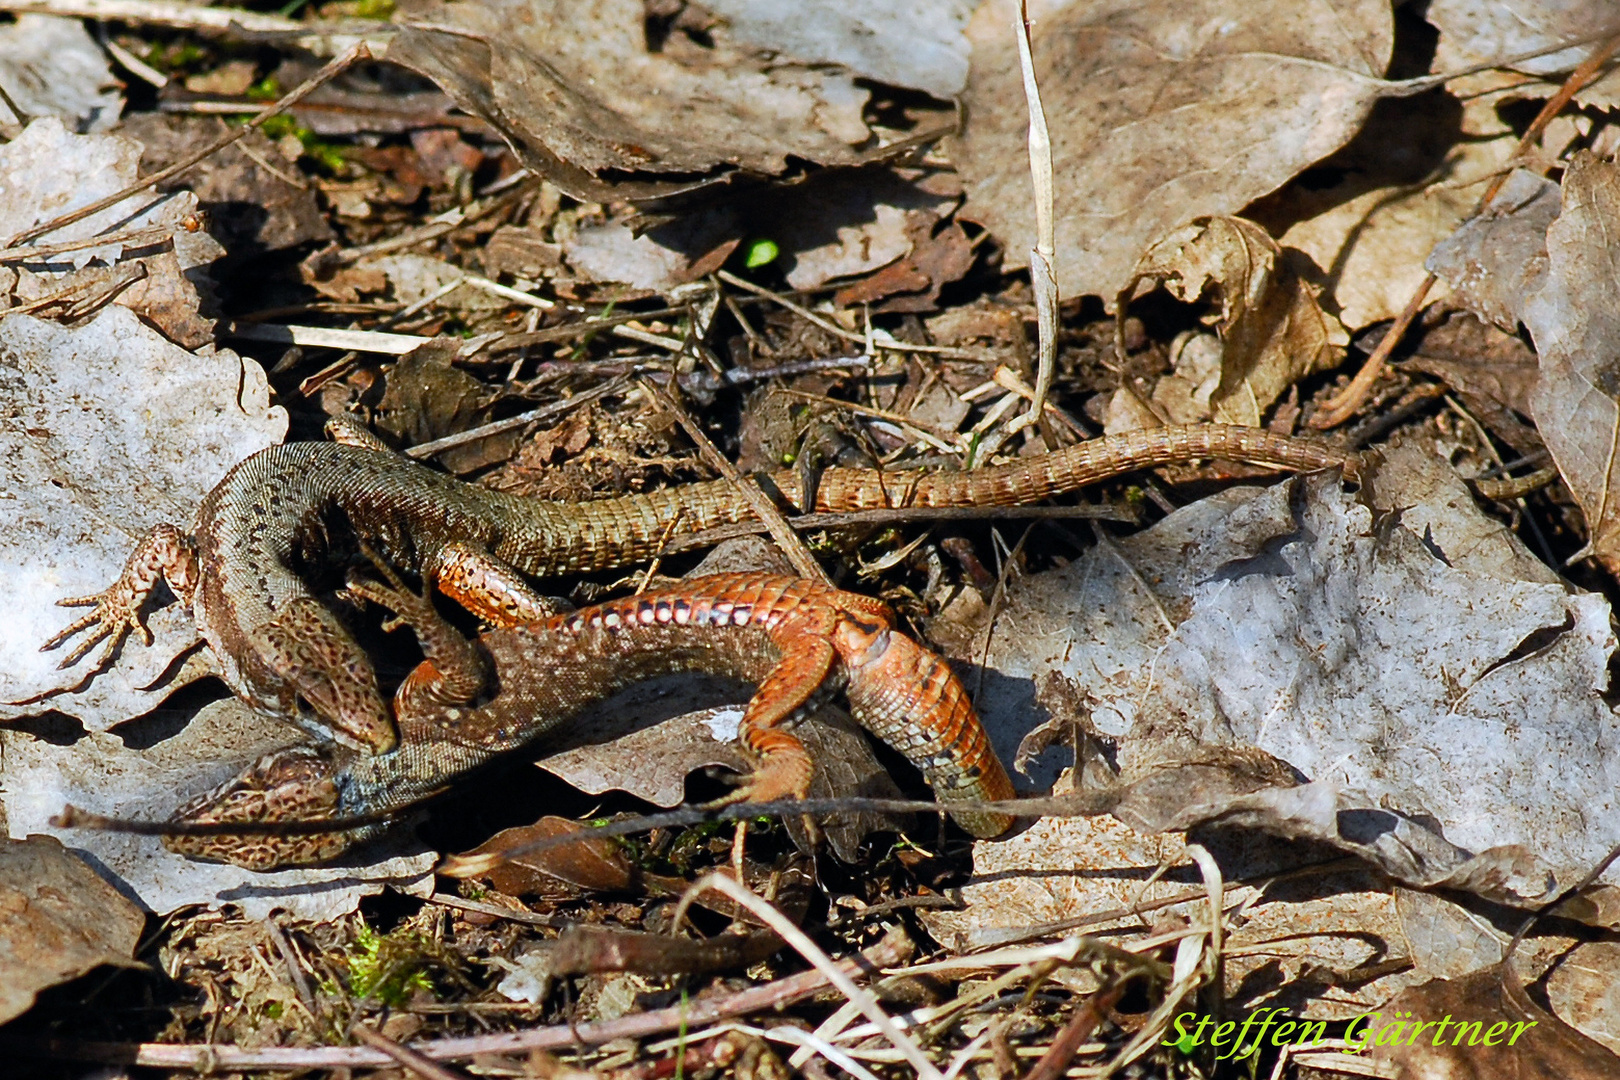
<point x="16" y="111"/>
<point x="1340" y="408"/>
<point x="1086" y="1019"/>
<point x="788" y="540"/>
<point x="423" y="1066"/>
<point x="940" y="434"/>
<point x="1042" y="280"/>
<point x="327" y="337"/>
<point x="447" y="222"/>
<point x="132" y="63"/>
<point x="495" y="427"/>
<point x="162" y="13"/>
<point x="848" y="335"/>
<point x="359" y="52"/>
<point x="528" y="918"/>
<point x="800" y="941"/>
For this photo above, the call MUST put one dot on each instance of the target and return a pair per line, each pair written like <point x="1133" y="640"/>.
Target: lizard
<point x="798" y="640"/>
<point x="284" y="513"/>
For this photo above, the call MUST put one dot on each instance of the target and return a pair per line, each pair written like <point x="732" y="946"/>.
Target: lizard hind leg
<point x="295" y="784"/>
<point x="800" y="682"/>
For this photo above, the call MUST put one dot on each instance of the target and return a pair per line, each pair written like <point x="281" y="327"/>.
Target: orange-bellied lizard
<point x="282" y="517"/>
<point x="799" y="641"/>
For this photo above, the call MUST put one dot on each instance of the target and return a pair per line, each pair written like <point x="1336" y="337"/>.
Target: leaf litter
<point x="1383" y="714"/>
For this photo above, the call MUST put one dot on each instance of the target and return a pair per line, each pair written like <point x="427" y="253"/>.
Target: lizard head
<point x="296" y="784"/>
<point x="310" y="653"/>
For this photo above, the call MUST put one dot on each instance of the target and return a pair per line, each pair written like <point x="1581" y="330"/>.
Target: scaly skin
<point x="798" y="641"/>
<point x="290" y="513"/>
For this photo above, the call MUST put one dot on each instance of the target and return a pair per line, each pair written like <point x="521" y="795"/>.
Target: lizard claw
<point x="111" y="620"/>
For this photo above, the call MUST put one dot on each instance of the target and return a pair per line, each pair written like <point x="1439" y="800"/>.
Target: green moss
<point x="266" y="89"/>
<point x="173" y="56"/>
<point x="329" y="156"/>
<point x="389" y="968"/>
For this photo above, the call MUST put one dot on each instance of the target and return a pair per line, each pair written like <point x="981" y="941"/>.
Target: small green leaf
<point x="761" y="252"/>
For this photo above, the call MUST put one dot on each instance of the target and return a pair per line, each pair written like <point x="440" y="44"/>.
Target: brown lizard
<point x="282" y="516"/>
<point x="799" y="641"/>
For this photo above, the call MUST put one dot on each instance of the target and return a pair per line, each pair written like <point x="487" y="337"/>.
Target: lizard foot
<point x="166" y="553"/>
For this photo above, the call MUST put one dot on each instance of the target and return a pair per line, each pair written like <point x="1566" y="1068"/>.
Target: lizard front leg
<point x="165" y="554"/>
<point x="454" y="670"/>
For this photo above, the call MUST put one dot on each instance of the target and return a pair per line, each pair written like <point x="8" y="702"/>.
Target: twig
<point x="528" y="918"/>
<point x="322" y="38"/>
<point x="1042" y="280"/>
<point x="800" y="942"/>
<point x="892" y="950"/>
<point x="803" y="562"/>
<point x="1055" y="1062"/>
<point x="69" y="291"/>
<point x="939" y="434"/>
<point x="16" y="110"/>
<point x="506" y="292"/>
<point x="1340" y="408"/>
<point x="327" y="337"/>
<point x="132" y="63"/>
<point x="162" y="13"/>
<point x="295" y="971"/>
<point x="495" y="427"/>
<point x="134" y="238"/>
<point x="128" y="274"/>
<point x="849" y="335"/>
<point x="449" y="221"/>
<point x="423" y="1066"/>
<point x="331" y="70"/>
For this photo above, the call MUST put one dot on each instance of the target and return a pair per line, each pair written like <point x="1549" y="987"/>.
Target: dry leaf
<point x="1406" y="183"/>
<point x="1584" y="990"/>
<point x="1273" y="331"/>
<point x="1445" y="705"/>
<point x="842" y="224"/>
<point x="105" y="431"/>
<point x="1494" y="373"/>
<point x="1491" y="1029"/>
<point x="51" y="66"/>
<point x="57" y="921"/>
<point x="918" y="44"/>
<point x="588" y="102"/>
<point x="591" y="864"/>
<point x="1497" y="258"/>
<point x="1160" y="112"/>
<point x="660" y="258"/>
<point x="47" y="171"/>
<point x="1575" y="321"/>
<point x="1475" y="33"/>
<point x="625" y="749"/>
